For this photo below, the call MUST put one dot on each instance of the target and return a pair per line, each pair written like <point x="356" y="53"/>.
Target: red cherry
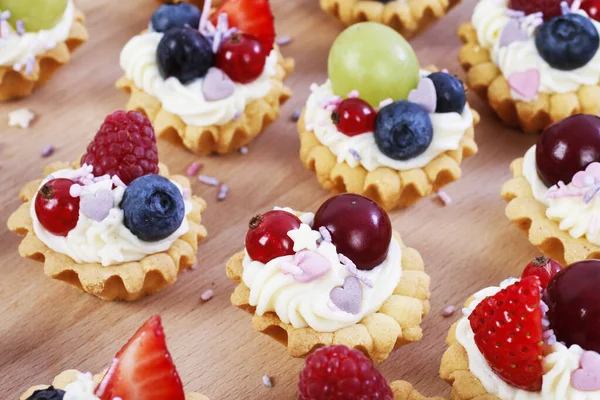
<point x="55" y="208"/>
<point x="241" y="57"/>
<point x="573" y="299"/>
<point x="567" y="147"/>
<point x="544" y="268"/>
<point x="550" y="8"/>
<point x="353" y="117"/>
<point x="268" y="237"/>
<point x="592" y="8"/>
<point x="359" y="228"/>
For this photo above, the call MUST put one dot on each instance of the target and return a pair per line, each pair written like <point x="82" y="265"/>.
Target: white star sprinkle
<point x="304" y="238"/>
<point x="21" y="118"/>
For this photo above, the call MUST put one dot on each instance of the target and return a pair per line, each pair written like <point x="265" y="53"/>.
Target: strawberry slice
<point x="252" y="17"/>
<point x="143" y="369"/>
<point x="508" y="332"/>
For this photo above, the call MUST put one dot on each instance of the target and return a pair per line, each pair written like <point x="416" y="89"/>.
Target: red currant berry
<point x="550" y="8"/>
<point x="592" y="8"/>
<point x="56" y="209"/>
<point x="268" y="237"/>
<point x="353" y="117"/>
<point x="544" y="268"/>
<point x="241" y="57"/>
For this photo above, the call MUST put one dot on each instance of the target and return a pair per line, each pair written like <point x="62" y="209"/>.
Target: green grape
<point x="35" y="14"/>
<point x="375" y="60"/>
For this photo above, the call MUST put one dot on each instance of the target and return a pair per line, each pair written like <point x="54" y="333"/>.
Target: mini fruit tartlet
<point x="343" y="366"/>
<point x="38" y="37"/>
<point x="553" y="195"/>
<point x="381" y="126"/>
<point x="536" y="337"/>
<point x="142" y="370"/>
<point x="535" y="62"/>
<point x="212" y="82"/>
<point x="409" y="17"/>
<point x="340" y="276"/>
<point x="115" y="224"/>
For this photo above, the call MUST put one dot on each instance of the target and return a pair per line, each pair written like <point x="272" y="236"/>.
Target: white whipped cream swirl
<point x="82" y="388"/>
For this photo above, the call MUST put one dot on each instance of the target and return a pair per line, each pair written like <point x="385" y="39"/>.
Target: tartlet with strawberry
<point x="534" y="62"/>
<point x="381" y="126"/>
<point x="116" y="224"/>
<point x="38" y="38"/>
<point x="143" y="369"/>
<point x="554" y="193"/>
<point x="211" y="82"/>
<point x="340" y="276"/>
<point x="535" y="337"/>
<point x="409" y="17"/>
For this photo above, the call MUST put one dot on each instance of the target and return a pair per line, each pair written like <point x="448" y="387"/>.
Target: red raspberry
<point x="124" y="146"/>
<point x="550" y="8"/>
<point x="338" y="373"/>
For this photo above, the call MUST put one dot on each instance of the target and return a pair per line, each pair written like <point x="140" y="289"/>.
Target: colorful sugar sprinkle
<point x="243" y="150"/>
<point x="223" y="191"/>
<point x="266" y="380"/>
<point x="48" y="151"/>
<point x="295" y="116"/>
<point x="193" y="168"/>
<point x="207" y="295"/>
<point x="448" y="311"/>
<point x="209" y="180"/>
<point x="385" y="103"/>
<point x="283" y="40"/>
<point x="444" y="197"/>
<point x="354" y="154"/>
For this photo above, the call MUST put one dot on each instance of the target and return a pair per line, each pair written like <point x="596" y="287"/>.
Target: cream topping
<point x="82" y="388"/>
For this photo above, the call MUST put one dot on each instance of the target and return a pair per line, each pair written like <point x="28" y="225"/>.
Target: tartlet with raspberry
<point x="38" y="38"/>
<point x="530" y="338"/>
<point x="340" y="276"/>
<point x="211" y="82"/>
<point x="534" y="62"/>
<point x="116" y="224"/>
<point x="554" y="193"/>
<point x="408" y="17"/>
<point x="141" y="370"/>
<point x="381" y="126"/>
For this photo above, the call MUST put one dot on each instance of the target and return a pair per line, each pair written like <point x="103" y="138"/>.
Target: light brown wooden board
<point x="47" y="327"/>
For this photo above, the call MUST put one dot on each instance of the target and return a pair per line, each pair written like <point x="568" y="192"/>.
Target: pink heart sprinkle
<point x="347" y="298"/>
<point x="217" y="85"/>
<point x="424" y="95"/>
<point x="97" y="206"/>
<point x="525" y="83"/>
<point x="594" y="170"/>
<point x="581" y="179"/>
<point x="587" y="378"/>
<point x="311" y="266"/>
<point x="511" y="33"/>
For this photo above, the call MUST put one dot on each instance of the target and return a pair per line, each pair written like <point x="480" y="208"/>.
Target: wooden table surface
<point x="47" y="327"/>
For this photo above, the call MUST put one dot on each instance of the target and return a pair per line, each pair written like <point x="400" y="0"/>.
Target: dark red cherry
<point x="267" y="236"/>
<point x="592" y="8"/>
<point x="353" y="117"/>
<point x="573" y="299"/>
<point x="544" y="268"/>
<point x="359" y="228"/>
<point x="567" y="147"/>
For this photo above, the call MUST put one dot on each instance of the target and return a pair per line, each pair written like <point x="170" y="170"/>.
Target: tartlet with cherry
<point x="115" y="224"/>
<point x="209" y="80"/>
<point x="143" y="369"/>
<point x="554" y="193"/>
<point x="530" y="338"/>
<point x="339" y="276"/>
<point x="534" y="62"/>
<point x="381" y="126"/>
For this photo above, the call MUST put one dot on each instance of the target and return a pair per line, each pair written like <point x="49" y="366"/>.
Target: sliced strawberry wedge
<point x="143" y="369"/>
<point x="252" y="17"/>
<point x="508" y="332"/>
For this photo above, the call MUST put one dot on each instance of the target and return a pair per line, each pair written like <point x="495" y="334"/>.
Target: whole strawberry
<point x="124" y="146"/>
<point x="550" y="8"/>
<point x="508" y="332"/>
<point x="338" y="373"/>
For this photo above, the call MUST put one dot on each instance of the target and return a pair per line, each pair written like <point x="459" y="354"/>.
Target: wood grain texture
<point x="47" y="327"/>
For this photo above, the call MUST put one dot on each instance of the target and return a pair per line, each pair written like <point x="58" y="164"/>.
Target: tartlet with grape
<point x="210" y="82"/>
<point x="530" y="338"/>
<point x="534" y="62"/>
<point x="554" y="193"/>
<point x="143" y="369"/>
<point x="381" y="126"/>
<point x="116" y="224"/>
<point x="38" y="38"/>
<point x="409" y="17"/>
<point x="309" y="283"/>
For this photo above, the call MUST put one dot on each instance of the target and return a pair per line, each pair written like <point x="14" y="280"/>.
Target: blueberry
<point x="178" y="15"/>
<point x="153" y="207"/>
<point x="185" y="54"/>
<point x="450" y="93"/>
<point x="47" y="394"/>
<point x="567" y="42"/>
<point x="403" y="130"/>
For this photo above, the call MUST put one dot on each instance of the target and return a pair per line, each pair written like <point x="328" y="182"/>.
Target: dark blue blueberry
<point x="567" y="42"/>
<point x="153" y="207"/>
<point x="450" y="93"/>
<point x="185" y="54"/>
<point x="47" y="394"/>
<point x="169" y="16"/>
<point x="403" y="130"/>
